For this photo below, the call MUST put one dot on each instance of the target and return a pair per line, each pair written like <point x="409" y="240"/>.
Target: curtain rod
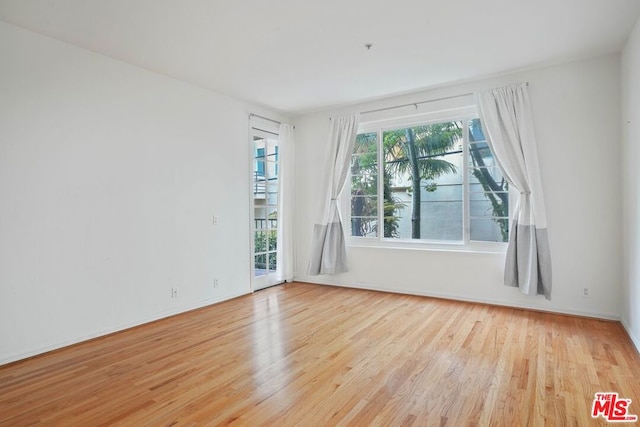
<point x="265" y="118"/>
<point x="415" y="104"/>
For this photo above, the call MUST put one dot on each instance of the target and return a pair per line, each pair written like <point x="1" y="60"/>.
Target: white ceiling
<point x="301" y="55"/>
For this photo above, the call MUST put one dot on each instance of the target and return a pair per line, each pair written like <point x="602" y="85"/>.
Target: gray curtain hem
<point x="328" y="252"/>
<point x="528" y="260"/>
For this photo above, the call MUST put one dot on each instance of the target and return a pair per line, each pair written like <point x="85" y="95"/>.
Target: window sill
<point x="473" y="247"/>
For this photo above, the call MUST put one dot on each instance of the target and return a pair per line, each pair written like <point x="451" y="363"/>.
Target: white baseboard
<point x="503" y="303"/>
<point x="634" y="339"/>
<point x="118" y="328"/>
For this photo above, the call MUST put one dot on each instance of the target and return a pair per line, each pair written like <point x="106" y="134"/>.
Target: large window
<point x="432" y="182"/>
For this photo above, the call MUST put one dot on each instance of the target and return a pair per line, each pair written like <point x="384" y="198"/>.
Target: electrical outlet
<point x="215" y="220"/>
<point x="586" y="292"/>
<point x="174" y="292"/>
<point x="215" y="282"/>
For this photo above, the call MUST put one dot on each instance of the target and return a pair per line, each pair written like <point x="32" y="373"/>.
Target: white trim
<point x="264" y="124"/>
<point x="456" y="297"/>
<point x="427" y="245"/>
<point x="379" y="193"/>
<point x="462" y="112"/>
<point x="268" y="279"/>
<point x="634" y="339"/>
<point x="466" y="203"/>
<point x="122" y="327"/>
<point x="458" y="114"/>
<point x="250" y="194"/>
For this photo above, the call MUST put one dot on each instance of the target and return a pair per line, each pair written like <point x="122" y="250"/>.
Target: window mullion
<point x="380" y="191"/>
<point x="466" y="224"/>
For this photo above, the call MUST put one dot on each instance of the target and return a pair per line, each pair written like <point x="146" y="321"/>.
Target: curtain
<point x="506" y="116"/>
<point x="285" y="250"/>
<point x="328" y="252"/>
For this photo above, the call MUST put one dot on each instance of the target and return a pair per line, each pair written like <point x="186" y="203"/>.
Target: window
<point x="435" y="181"/>
<point x="259" y="163"/>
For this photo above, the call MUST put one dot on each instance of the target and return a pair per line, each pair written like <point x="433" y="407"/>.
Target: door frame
<point x="266" y="132"/>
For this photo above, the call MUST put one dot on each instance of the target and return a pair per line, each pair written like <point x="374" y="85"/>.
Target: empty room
<point x="304" y="213"/>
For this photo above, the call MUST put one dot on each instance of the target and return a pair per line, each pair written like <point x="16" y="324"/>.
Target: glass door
<point x="264" y="208"/>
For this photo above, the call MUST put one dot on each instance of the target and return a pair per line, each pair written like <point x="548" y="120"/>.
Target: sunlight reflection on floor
<point x="271" y="370"/>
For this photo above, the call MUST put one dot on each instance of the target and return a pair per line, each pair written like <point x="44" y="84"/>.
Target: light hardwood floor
<point x="307" y="355"/>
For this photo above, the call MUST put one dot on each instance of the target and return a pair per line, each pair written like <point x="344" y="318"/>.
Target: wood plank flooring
<point x="309" y="355"/>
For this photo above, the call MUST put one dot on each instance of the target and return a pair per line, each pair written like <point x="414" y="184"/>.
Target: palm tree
<point x="416" y="152"/>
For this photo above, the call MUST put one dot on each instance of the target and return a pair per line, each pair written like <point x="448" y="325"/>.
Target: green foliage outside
<point x="416" y="153"/>
<point x="364" y="191"/>
<point x="265" y="241"/>
<point x="408" y="152"/>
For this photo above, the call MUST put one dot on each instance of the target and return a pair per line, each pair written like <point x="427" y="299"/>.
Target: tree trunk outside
<point x="416" y="195"/>
<point x="487" y="180"/>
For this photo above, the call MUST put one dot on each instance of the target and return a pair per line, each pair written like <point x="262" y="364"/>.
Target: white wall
<point x="109" y="177"/>
<point x="631" y="155"/>
<point x="576" y="109"/>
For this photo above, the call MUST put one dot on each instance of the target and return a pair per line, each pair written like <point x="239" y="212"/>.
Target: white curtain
<point x="328" y="252"/>
<point x="506" y="116"/>
<point x="285" y="250"/>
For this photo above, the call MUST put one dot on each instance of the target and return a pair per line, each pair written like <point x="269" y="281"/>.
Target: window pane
<point x="272" y="238"/>
<point x="260" y="218"/>
<point x="489" y="204"/>
<point x="259" y="163"/>
<point x="265" y="241"/>
<point x="476" y="187"/>
<point x="272" y="193"/>
<point x="423" y="182"/>
<point x="476" y="133"/>
<point x="490" y="230"/>
<point x="260" y="144"/>
<point x="489" y="177"/>
<point x="488" y="190"/>
<point x="442" y="220"/>
<point x="272" y="145"/>
<point x="364" y="160"/>
<point x="364" y="206"/>
<point x="272" y="217"/>
<point x="367" y="144"/>
<point x="480" y="155"/>
<point x="259" y="168"/>
<point x="364" y="216"/>
<point x="260" y="264"/>
<point x="271" y="170"/>
<point x="260" y="241"/>
<point x="488" y="207"/>
<point x="272" y="262"/>
<point x="259" y="187"/>
<point x="364" y="186"/>
<point x="366" y="226"/>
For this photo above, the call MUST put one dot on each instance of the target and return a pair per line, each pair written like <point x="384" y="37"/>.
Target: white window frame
<point x="464" y="115"/>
